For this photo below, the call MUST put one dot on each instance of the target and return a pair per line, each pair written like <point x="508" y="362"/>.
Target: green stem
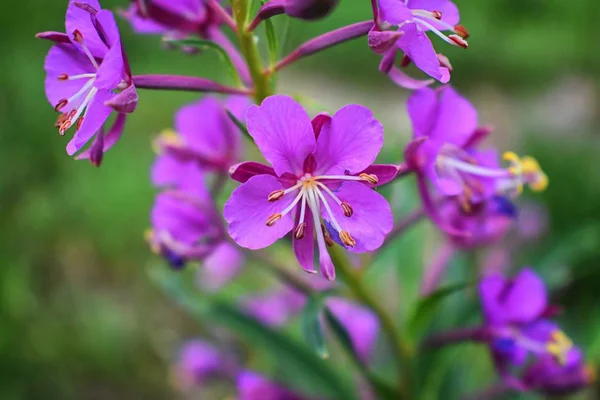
<point x="402" y="350"/>
<point x="262" y="88"/>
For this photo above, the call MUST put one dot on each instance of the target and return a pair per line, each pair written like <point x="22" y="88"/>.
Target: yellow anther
<point x="559" y="346"/>
<point x="538" y="180"/>
<point x="167" y="137"/>
<point x="347" y="239"/>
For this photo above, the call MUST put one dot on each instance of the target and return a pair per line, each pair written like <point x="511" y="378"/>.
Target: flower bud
<point x="381" y="41"/>
<point x="309" y="9"/>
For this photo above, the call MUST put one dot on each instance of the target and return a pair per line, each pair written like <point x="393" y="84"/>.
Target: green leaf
<point x="207" y="44"/>
<point x="426" y="308"/>
<point x="312" y="329"/>
<point x="240" y="125"/>
<point x="298" y="360"/>
<point x="271" y="41"/>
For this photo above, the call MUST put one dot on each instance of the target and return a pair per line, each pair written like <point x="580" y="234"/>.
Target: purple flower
<point x="444" y="152"/>
<point x="275" y="308"/>
<point x="205" y="136"/>
<point x="321" y="172"/>
<point x="303" y="9"/>
<point x="197" y="362"/>
<point x="414" y="18"/>
<point x="88" y="77"/>
<point x="253" y="386"/>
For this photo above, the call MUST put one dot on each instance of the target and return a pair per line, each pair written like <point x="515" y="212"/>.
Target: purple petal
<point x="220" y="267"/>
<point x="422" y="106"/>
<point x="456" y="118"/>
<point x="319" y="121"/>
<point x="252" y="386"/>
<point x="56" y="37"/>
<point x="111" y="71"/>
<point x="417" y="46"/>
<point x="372" y="219"/>
<point x="401" y="79"/>
<point x="304" y="248"/>
<point x="394" y="11"/>
<point x="95" y="115"/>
<point x="359" y="322"/>
<point x="81" y="20"/>
<point x="350" y="142"/>
<point x="182" y="220"/>
<point x="248" y="209"/>
<point x="275" y="308"/>
<point x="197" y="361"/>
<point x="282" y="131"/>
<point x="446" y="7"/>
<point x="384" y="172"/>
<point x="109" y="140"/>
<point x="108" y="27"/>
<point x="142" y="24"/>
<point x="246" y="170"/>
<point x="382" y="41"/>
<point x="124" y="102"/>
<point x="65" y="59"/>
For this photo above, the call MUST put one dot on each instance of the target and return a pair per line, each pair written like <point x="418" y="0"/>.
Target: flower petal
<point x="455" y="118"/>
<point x="243" y="171"/>
<point x="422" y="106"/>
<point x="394" y="11"/>
<point x="252" y="386"/>
<point x="65" y="59"/>
<point x="401" y="79"/>
<point x="125" y="101"/>
<point x="81" y="20"/>
<point x="371" y="220"/>
<point x="248" y="209"/>
<point x="360" y="323"/>
<point x="446" y="7"/>
<point x="304" y="248"/>
<point x="283" y="132"/>
<point x="385" y="172"/>
<point x="95" y="115"/>
<point x="108" y="27"/>
<point x="417" y="46"/>
<point x="220" y="267"/>
<point x="111" y="71"/>
<point x="350" y="142"/>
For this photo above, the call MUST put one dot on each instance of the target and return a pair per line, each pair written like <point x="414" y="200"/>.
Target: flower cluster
<point x="318" y="191"/>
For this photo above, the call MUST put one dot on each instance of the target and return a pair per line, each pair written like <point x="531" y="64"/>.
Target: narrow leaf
<point x="271" y="41"/>
<point x="240" y="125"/>
<point x="312" y="329"/>
<point x="201" y="44"/>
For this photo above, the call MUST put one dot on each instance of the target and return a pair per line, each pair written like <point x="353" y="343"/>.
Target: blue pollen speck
<point x="505" y="206"/>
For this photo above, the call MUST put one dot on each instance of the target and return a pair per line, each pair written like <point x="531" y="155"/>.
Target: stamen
<point x="348" y="211"/>
<point x="79" y="122"/>
<point x="559" y="346"/>
<point x="61" y="104"/>
<point x="328" y="240"/>
<point x="459" y="41"/>
<point x="276" y="195"/>
<point x="273" y="219"/>
<point x="336" y="225"/>
<point x="300" y="231"/>
<point x="78" y="37"/>
<point x="347" y="239"/>
<point x="322" y="240"/>
<point x="80" y="76"/>
<point x="461" y="31"/>
<point x="371" y="178"/>
<point x="447" y="39"/>
<point x="63" y="77"/>
<point x="437" y="14"/>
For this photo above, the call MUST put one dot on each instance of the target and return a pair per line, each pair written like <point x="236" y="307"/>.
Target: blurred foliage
<point x="80" y="318"/>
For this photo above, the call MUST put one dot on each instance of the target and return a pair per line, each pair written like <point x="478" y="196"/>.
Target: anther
<point x="371" y="178"/>
<point x="437" y="14"/>
<point x="459" y="41"/>
<point x="347" y="239"/>
<point x="461" y="31"/>
<point x="348" y="211"/>
<point x="273" y="219"/>
<point x="328" y="240"/>
<point x="77" y="36"/>
<point x="79" y="122"/>
<point x="276" y="195"/>
<point x="300" y="231"/>
<point x="61" y="104"/>
<point x="63" y="77"/>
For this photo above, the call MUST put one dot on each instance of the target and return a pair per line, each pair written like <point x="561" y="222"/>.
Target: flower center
<point x="459" y="34"/>
<point x="558" y="344"/>
<point x="313" y="193"/>
<point x="458" y="166"/>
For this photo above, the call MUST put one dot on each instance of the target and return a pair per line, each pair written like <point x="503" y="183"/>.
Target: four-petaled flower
<point x="414" y="18"/>
<point x="88" y="77"/>
<point x="444" y="152"/>
<point x="320" y="170"/>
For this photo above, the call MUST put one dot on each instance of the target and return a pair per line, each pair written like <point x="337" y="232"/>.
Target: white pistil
<point x="81" y="76"/>
<point x="88" y="53"/>
<point x="312" y="203"/>
<point x="81" y="91"/>
<point x="84" y="104"/>
<point x="473" y="169"/>
<point x="336" y="225"/>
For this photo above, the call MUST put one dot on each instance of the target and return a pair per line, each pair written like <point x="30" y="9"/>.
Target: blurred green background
<point x="79" y="316"/>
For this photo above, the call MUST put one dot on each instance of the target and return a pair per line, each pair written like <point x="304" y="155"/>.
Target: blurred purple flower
<point x="205" y="136"/>
<point x="88" y="77"/>
<point x="444" y="152"/>
<point x="414" y="18"/>
<point x="199" y="361"/>
<point x="253" y="386"/>
<point x="316" y="172"/>
<point x="303" y="9"/>
<point x="275" y="308"/>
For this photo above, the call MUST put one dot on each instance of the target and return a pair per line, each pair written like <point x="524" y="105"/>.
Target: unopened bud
<point x="276" y="195"/>
<point x="273" y="219"/>
<point x="348" y="211"/>
<point x="300" y="231"/>
<point x="459" y="41"/>
<point x="309" y="9"/>
<point x="461" y="31"/>
<point x="382" y="41"/>
<point x="371" y="178"/>
<point x="347" y="239"/>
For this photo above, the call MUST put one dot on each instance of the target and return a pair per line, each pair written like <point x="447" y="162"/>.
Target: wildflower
<point x="199" y="361"/>
<point x="414" y="18"/>
<point x="444" y="152"/>
<point x="204" y="135"/>
<point x="88" y="77"/>
<point x="315" y="174"/>
<point x="529" y="351"/>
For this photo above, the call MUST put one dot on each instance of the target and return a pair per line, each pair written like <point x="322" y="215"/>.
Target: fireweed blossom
<point x="413" y="19"/>
<point x="320" y="170"/>
<point x="204" y="134"/>
<point x="530" y="351"/>
<point x="444" y="153"/>
<point x="88" y="77"/>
